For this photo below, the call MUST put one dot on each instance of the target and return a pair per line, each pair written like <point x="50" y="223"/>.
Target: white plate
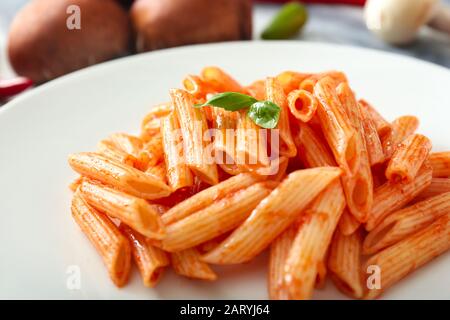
<point x="39" y="242"/>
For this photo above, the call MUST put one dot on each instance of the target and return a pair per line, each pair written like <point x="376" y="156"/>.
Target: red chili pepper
<point x="11" y="87"/>
<point x="353" y="2"/>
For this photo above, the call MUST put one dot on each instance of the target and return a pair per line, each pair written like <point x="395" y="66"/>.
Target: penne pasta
<point x="291" y="80"/>
<point x="257" y="90"/>
<point x="393" y="196"/>
<point x="116" y="174"/>
<point x="251" y="142"/>
<point x="279" y="251"/>
<point x="224" y="139"/>
<point x="187" y="263"/>
<point x="317" y="128"/>
<point x="321" y="275"/>
<point x="302" y="105"/>
<point x="279" y="168"/>
<point x="400" y="224"/>
<point x="344" y="263"/>
<point x="151" y="260"/>
<point x="312" y="149"/>
<point x="112" y="246"/>
<point x="133" y="146"/>
<point x="194" y="128"/>
<point x="153" y="150"/>
<point x="178" y="174"/>
<point x="437" y="186"/>
<point x="357" y="181"/>
<point x="152" y="121"/>
<point x="159" y="111"/>
<point x="379" y="175"/>
<point x="73" y="186"/>
<point x="159" y="171"/>
<point x="206" y="183"/>
<point x="399" y="260"/>
<point x="220" y="80"/>
<point x="133" y="211"/>
<point x="440" y="161"/>
<point x="307" y="254"/>
<point x="308" y="84"/>
<point x="382" y="126"/>
<point x="337" y="76"/>
<point x="275" y="93"/>
<point x="408" y="158"/>
<point x="402" y="127"/>
<point x="204" y="198"/>
<point x="211" y="244"/>
<point x="372" y="139"/>
<point x="214" y="220"/>
<point x="231" y="169"/>
<point x="197" y="87"/>
<point x="108" y="149"/>
<point x="335" y="123"/>
<point x="348" y="223"/>
<point x="273" y="215"/>
<point x="127" y="143"/>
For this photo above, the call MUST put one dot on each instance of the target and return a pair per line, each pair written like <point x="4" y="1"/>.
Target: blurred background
<point x="50" y="38"/>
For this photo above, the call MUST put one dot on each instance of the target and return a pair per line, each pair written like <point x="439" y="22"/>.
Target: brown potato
<point x="162" y="24"/>
<point x="42" y="47"/>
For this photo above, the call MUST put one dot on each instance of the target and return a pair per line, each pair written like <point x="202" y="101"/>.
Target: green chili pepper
<point x="287" y="23"/>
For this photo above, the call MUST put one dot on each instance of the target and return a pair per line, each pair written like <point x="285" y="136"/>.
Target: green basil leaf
<point x="231" y="101"/>
<point x="265" y="114"/>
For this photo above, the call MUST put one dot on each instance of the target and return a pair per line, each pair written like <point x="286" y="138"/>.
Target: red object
<point x="11" y="87"/>
<point x="352" y="2"/>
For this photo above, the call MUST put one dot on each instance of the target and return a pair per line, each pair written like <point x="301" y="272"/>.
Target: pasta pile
<point x="351" y="194"/>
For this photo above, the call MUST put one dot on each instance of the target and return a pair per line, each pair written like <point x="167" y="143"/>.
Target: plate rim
<point x="73" y="76"/>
